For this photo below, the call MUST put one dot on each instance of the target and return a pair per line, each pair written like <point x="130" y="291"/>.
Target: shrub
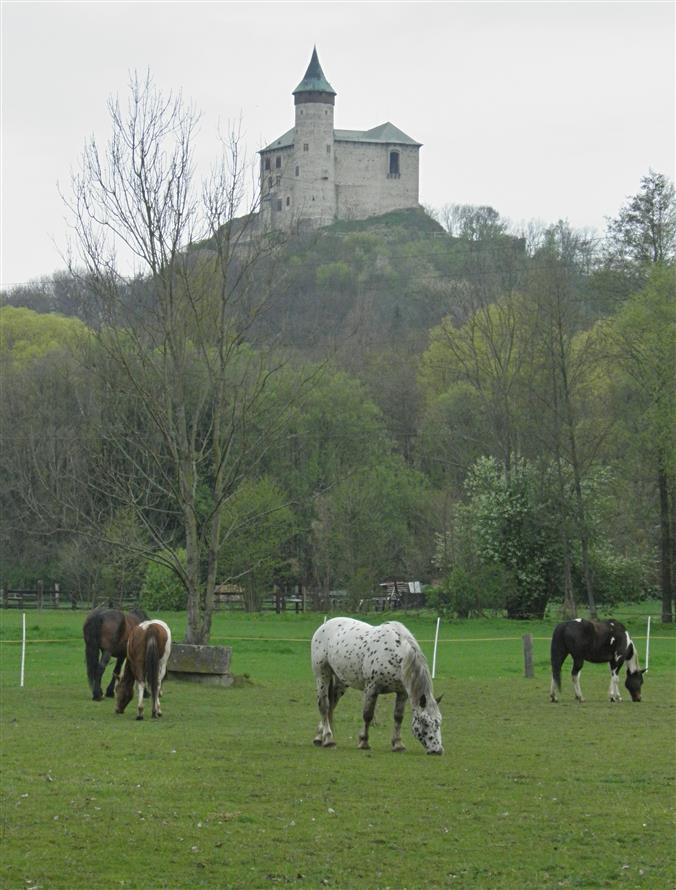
<point x="472" y="591"/>
<point x="162" y="588"/>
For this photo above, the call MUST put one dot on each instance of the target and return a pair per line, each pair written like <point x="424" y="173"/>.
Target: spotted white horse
<point x="382" y="659"/>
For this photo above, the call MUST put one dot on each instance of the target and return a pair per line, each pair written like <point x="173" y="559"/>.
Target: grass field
<point x="227" y="790"/>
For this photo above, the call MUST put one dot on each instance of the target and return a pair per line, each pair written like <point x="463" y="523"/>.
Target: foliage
<point x="26" y="335"/>
<point x="644" y="231"/>
<point x="257" y="524"/>
<point x="370" y="526"/>
<point x="162" y="589"/>
<point x="475" y="590"/>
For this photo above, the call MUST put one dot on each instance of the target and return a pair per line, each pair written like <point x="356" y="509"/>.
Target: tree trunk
<point x="666" y="578"/>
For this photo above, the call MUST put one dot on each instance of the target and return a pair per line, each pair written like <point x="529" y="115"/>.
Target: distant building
<point x="314" y="174"/>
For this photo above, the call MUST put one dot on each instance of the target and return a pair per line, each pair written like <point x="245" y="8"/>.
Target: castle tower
<point x="313" y="165"/>
<point x="313" y="175"/>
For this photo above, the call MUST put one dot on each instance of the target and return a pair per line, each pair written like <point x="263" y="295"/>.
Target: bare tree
<point x="182" y="392"/>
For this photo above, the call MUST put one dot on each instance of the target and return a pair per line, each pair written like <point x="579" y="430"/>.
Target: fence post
<point x="528" y="655"/>
<point x="41" y="594"/>
<point x="57" y="594"/>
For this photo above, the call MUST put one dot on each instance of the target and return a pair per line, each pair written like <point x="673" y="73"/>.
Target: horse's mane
<point x="415" y="673"/>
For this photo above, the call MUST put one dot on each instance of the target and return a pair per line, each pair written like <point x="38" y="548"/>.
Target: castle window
<point x="267" y="163"/>
<point x="278" y="161"/>
<point x="278" y="180"/>
<point x="306" y="147"/>
<point x="297" y="170"/>
<point x="394" y="164"/>
<point x="328" y="149"/>
<point x="279" y="203"/>
<point x="288" y="201"/>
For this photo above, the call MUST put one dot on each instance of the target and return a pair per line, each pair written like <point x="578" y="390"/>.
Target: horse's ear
<point x="423" y="701"/>
<point x="440" y="697"/>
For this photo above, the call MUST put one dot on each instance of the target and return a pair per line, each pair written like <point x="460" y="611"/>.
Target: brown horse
<point x="106" y="631"/>
<point x="148" y="650"/>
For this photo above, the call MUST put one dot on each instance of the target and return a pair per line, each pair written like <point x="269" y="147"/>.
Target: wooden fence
<point x="41" y="597"/>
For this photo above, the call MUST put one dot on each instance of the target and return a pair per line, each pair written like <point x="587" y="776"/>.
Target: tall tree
<point x="642" y="342"/>
<point x="644" y="230"/>
<point x="182" y="410"/>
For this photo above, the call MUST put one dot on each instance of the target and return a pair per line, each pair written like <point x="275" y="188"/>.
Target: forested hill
<point x="457" y="403"/>
<point x="382" y="283"/>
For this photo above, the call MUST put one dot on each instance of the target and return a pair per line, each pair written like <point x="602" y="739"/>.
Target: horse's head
<point x="426" y="724"/>
<point x="124" y="690"/>
<point x="634" y="682"/>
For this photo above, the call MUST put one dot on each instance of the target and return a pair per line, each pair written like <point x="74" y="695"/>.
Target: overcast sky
<point x="545" y="111"/>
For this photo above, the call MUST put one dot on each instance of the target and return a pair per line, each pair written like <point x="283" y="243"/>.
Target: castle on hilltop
<point x="314" y="175"/>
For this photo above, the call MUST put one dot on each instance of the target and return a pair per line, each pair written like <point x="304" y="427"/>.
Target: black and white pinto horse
<point x="381" y="659"/>
<point x="598" y="642"/>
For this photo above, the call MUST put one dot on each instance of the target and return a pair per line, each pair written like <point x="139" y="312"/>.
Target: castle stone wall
<point x="364" y="186"/>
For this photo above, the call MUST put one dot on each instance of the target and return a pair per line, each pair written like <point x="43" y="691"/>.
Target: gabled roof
<point x="386" y="132"/>
<point x="314" y="80"/>
<point x="285" y="141"/>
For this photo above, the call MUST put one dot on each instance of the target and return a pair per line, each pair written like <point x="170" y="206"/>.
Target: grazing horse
<point x="148" y="650"/>
<point x="387" y="658"/>
<point x="106" y="631"/>
<point x="598" y="642"/>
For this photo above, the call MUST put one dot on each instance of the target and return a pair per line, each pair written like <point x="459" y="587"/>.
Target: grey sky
<point x="543" y="110"/>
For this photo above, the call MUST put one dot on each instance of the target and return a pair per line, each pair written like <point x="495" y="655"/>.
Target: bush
<point x="474" y="591"/>
<point x="162" y="588"/>
<point x="618" y="579"/>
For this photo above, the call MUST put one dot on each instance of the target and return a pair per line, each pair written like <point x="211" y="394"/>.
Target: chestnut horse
<point x="148" y="650"/>
<point x="106" y="631"/>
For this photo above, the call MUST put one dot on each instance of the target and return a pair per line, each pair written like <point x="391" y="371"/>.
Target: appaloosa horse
<point x="148" y="650"/>
<point x="382" y="659"/>
<point x="598" y="642"/>
<point x="106" y="631"/>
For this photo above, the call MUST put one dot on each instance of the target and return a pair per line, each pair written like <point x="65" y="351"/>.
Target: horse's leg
<point x="324" y="679"/>
<point x="558" y="656"/>
<point x="399" y="705"/>
<point x="103" y="664"/>
<point x="336" y="692"/>
<point x="157" y="711"/>
<point x="139" y="702"/>
<point x="110" y="691"/>
<point x="614" y="691"/>
<point x="370" y="698"/>
<point x="575" y="675"/>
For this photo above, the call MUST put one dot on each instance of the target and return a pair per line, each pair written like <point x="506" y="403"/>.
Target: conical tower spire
<point x="314" y="80"/>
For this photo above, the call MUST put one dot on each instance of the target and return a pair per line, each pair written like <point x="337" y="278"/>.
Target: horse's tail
<point x="152" y="663"/>
<point x="91" y="631"/>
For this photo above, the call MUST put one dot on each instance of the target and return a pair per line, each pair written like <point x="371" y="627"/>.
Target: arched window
<point x="394" y="163"/>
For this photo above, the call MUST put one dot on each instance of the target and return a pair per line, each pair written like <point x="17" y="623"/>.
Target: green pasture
<point x="227" y="790"/>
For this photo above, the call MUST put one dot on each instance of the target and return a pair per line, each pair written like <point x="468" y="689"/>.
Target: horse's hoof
<point x="140" y="717"/>
<point x="317" y="742"/>
<point x="398" y="748"/>
<point x="364" y="746"/>
<point x="97" y="698"/>
<point x="329" y="743"/>
<point x="110" y="693"/>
